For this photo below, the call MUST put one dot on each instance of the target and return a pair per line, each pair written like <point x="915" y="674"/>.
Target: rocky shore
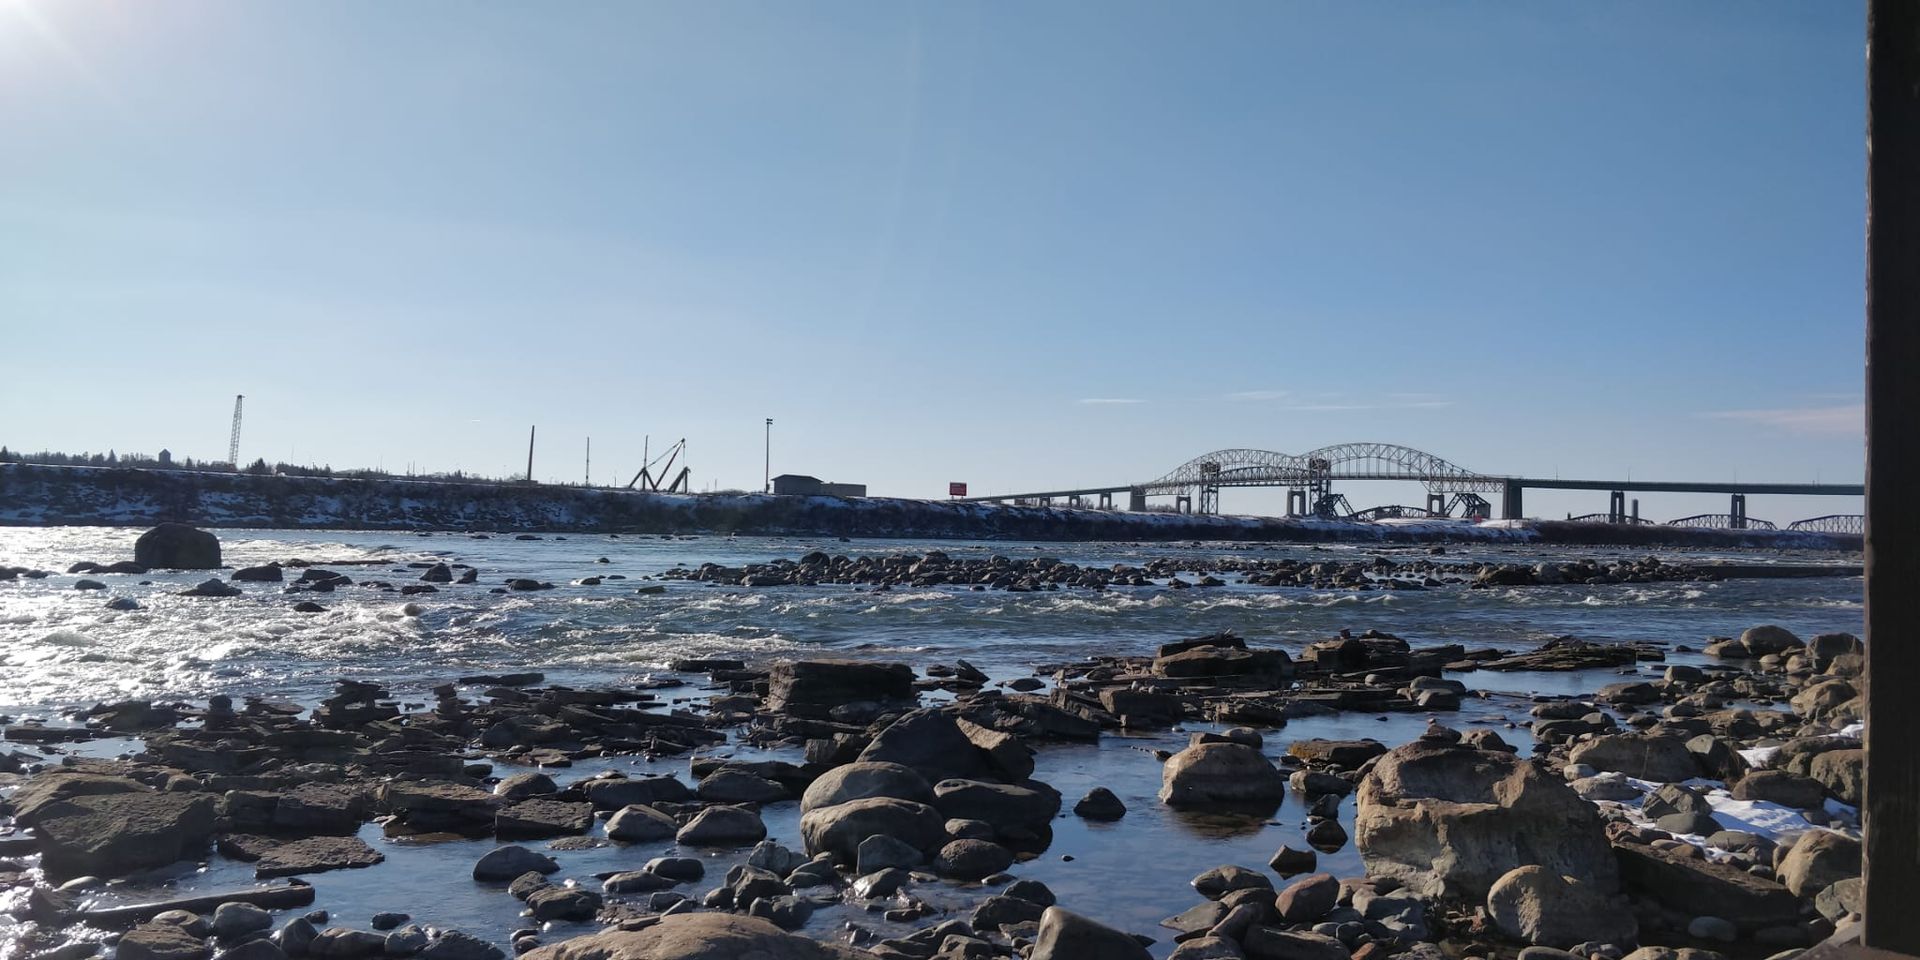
<point x="35" y="495"/>
<point x="918" y="806"/>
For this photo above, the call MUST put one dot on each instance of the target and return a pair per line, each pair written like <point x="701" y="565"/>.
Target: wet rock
<point x="315" y="855"/>
<point x="1762" y="640"/>
<point x="931" y="743"/>
<point x="1222" y="880"/>
<point x="723" y="826"/>
<point x="613" y="793"/>
<point x="1537" y="906"/>
<point x="1448" y="821"/>
<point x="737" y="786"/>
<point x="1100" y="805"/>
<point x="177" y="546"/>
<point x="1819" y="858"/>
<point x="543" y="818"/>
<point x="265" y="574"/>
<point x="640" y="824"/>
<point x="1007" y="806"/>
<point x="1289" y="862"/>
<point x="161" y="941"/>
<point x="1308" y="899"/>
<point x="995" y="912"/>
<point x="1011" y="759"/>
<point x="460" y="945"/>
<point x="696" y="936"/>
<point x="1220" y="773"/>
<point x="858" y="781"/>
<point x="879" y="852"/>
<point x="841" y="828"/>
<point x="1327" y="836"/>
<point x="522" y="786"/>
<point x="1207" y="948"/>
<point x="113" y="835"/>
<point x="505" y="863"/>
<point x="1712" y="928"/>
<point x="320" y="808"/>
<point x="1339" y="754"/>
<point x="1069" y="936"/>
<point x="231" y="920"/>
<point x="259" y="948"/>
<point x="1273" y="943"/>
<point x="971" y="859"/>
<point x="212" y="588"/>
<point x="345" y="943"/>
<point x="563" y="903"/>
<point x="1656" y="758"/>
<point x="812" y="688"/>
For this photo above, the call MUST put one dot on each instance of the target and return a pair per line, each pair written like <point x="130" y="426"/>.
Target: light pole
<point x="767" y="480"/>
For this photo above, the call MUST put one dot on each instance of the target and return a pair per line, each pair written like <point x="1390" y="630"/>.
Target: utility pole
<point x="530" y="432"/>
<point x="767" y="480"/>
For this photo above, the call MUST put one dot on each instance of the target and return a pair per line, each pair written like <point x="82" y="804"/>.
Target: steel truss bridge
<point x="1452" y="490"/>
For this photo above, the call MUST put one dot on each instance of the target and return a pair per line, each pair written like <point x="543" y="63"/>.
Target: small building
<point x="801" y="485"/>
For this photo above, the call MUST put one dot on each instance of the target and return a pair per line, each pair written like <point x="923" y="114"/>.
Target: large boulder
<point x="115" y="834"/>
<point x="1004" y="805"/>
<point x="858" y="781"/>
<point x="1818" y="859"/>
<point x="177" y="546"/>
<point x="1703" y="888"/>
<point x="1070" y="936"/>
<point x="931" y="743"/>
<point x="1448" y="821"/>
<point x="1537" y="906"/>
<point x="812" y="688"/>
<point x="1660" y="759"/>
<point x="696" y="936"/>
<point x="839" y="829"/>
<point x="1210" y="774"/>
<point x="1843" y="773"/>
<point x="1762" y="640"/>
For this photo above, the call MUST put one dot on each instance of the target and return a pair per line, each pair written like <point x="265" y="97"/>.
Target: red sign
<point x="956" y="489"/>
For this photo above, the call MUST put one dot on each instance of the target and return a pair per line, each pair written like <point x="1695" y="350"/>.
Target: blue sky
<point x="1019" y="245"/>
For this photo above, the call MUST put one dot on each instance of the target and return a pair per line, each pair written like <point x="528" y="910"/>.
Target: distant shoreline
<point x="34" y="495"/>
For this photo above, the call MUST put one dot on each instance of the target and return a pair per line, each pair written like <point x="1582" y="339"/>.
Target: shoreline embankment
<point x="40" y="495"/>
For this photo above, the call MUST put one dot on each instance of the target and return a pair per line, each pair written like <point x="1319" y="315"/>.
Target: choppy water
<point x="62" y="646"/>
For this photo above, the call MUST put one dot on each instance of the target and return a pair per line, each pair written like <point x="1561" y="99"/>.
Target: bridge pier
<point x="1136" y="500"/>
<point x="1510" y="500"/>
<point x="1296" y="502"/>
<point x="1106" y="500"/>
<point x="1183" y="503"/>
<point x="1617" y="507"/>
<point x="1737" y="512"/>
<point x="1437" y="504"/>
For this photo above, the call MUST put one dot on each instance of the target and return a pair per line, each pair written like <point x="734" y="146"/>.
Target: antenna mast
<point x="233" y="442"/>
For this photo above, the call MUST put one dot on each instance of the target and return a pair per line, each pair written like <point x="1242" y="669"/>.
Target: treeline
<point x="259" y="467"/>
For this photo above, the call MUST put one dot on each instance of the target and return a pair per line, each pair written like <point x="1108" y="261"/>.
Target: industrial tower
<point x="233" y="444"/>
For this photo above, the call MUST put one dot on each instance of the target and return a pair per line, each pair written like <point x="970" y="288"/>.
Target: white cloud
<point x="1107" y="400"/>
<point x="1848" y="419"/>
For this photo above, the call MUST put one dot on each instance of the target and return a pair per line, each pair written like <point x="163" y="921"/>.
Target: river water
<point x="62" y="647"/>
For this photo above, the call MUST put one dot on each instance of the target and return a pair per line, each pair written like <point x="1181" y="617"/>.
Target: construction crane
<point x="654" y="480"/>
<point x="233" y="443"/>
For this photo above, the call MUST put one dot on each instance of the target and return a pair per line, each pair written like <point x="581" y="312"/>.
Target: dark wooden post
<point x="1892" y="816"/>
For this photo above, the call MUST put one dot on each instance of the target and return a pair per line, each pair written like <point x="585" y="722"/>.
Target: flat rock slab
<point x="316" y="854"/>
<point x="543" y="818"/>
<point x="112" y="835"/>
